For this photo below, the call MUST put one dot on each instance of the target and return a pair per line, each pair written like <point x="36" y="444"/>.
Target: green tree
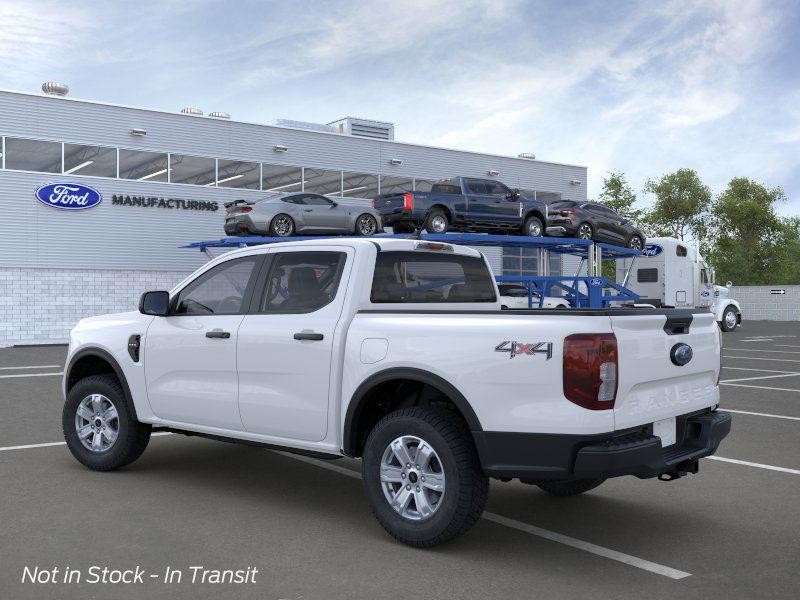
<point x="750" y="243"/>
<point x="618" y="195"/>
<point x="681" y="205"/>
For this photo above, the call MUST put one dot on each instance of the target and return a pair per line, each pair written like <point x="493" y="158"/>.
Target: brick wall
<point x="759" y="304"/>
<point x="40" y="306"/>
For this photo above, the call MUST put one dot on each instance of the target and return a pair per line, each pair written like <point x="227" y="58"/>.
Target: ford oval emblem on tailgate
<point x="680" y="354"/>
<point x="68" y="196"/>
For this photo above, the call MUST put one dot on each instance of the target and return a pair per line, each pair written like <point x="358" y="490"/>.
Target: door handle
<point x="306" y="335"/>
<point x="308" y="210"/>
<point x="218" y="333"/>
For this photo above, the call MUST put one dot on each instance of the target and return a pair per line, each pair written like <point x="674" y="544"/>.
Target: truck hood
<point x="133" y="317"/>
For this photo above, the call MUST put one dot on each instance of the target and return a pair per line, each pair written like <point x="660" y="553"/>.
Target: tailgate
<point x="651" y="387"/>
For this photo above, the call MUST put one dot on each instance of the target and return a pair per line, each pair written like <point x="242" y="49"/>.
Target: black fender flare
<point x="107" y="357"/>
<point x="358" y="400"/>
<point x="535" y="212"/>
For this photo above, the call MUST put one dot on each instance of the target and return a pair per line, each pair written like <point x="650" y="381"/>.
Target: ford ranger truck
<point x="464" y="204"/>
<point x="396" y="351"/>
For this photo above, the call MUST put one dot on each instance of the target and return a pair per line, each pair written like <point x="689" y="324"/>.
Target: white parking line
<point x="752" y="464"/>
<point x="786" y="345"/>
<point x="752" y="369"/>
<point x="756" y="414"/>
<point x="31" y="367"/>
<point x="759" y="350"/>
<point x="627" y="559"/>
<point x="759" y="387"/>
<point x="31" y="375"/>
<point x="49" y="444"/>
<point x="760" y="377"/>
<point x="792" y="360"/>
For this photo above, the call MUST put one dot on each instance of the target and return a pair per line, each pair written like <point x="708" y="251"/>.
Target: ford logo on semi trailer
<point x="652" y="250"/>
<point x="68" y="196"/>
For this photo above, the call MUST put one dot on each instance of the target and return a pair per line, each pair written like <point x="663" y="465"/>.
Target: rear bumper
<point x="244" y="225"/>
<point x="636" y="452"/>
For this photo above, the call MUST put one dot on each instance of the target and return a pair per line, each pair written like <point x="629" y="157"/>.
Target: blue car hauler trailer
<point x="581" y="291"/>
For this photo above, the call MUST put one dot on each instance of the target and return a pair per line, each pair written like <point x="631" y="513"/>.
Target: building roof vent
<point x="219" y="115"/>
<point x="192" y="111"/>
<point x="527" y="155"/>
<point x="303" y="125"/>
<point x="376" y="130"/>
<point x="51" y="88"/>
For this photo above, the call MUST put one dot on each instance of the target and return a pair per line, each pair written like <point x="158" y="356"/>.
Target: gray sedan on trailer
<point x="286" y="214"/>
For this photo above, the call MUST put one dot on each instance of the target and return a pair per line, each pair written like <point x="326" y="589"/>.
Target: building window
<point x="360" y="185"/>
<point x="280" y="178"/>
<point x="321" y="181"/>
<point x="194" y="170"/>
<point x="96" y="161"/>
<point x="396" y="185"/>
<point x="143" y="166"/>
<point x="33" y="155"/>
<point x="423" y="185"/>
<point x="237" y="174"/>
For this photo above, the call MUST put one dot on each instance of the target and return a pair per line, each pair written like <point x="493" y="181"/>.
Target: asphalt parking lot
<point x="733" y="531"/>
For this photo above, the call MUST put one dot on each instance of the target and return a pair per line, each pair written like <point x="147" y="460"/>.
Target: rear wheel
<point x="569" y="488"/>
<point x="730" y="319"/>
<point x="533" y="227"/>
<point x="98" y="427"/>
<point x="281" y="226"/>
<point x="437" y="221"/>
<point x="422" y="476"/>
<point x="635" y="243"/>
<point x="584" y="232"/>
<point x="367" y="225"/>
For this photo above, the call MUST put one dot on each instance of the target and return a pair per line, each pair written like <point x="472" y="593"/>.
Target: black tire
<point x="726" y="318"/>
<point x="569" y="488"/>
<point x="579" y="231"/>
<point x="132" y="437"/>
<point x="359" y="229"/>
<point x="436" y="216"/>
<point x="466" y="485"/>
<point x="277" y="220"/>
<point x="636" y="242"/>
<point x="533" y="227"/>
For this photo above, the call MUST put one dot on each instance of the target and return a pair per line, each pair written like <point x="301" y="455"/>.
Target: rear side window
<point x="430" y="278"/>
<point x="302" y="282"/>
<point x="446" y="186"/>
<point x="647" y="275"/>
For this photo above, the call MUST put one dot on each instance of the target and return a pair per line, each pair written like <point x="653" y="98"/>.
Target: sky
<point x="639" y="87"/>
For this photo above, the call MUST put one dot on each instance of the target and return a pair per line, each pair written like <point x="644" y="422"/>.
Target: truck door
<point x="488" y="204"/>
<point x="705" y="287"/>
<point x="190" y="356"/>
<point x="286" y="343"/>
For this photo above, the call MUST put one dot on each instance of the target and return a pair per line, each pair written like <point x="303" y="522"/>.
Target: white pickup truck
<point x="397" y="351"/>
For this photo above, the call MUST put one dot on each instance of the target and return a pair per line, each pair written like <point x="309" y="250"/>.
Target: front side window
<point x="302" y="282"/>
<point x="429" y="277"/>
<point x="478" y="187"/>
<point x="218" y="291"/>
<point x="495" y="188"/>
<point x="33" y="155"/>
<point x="315" y="200"/>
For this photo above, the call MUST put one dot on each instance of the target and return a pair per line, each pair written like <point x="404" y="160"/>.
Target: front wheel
<point x="98" y="428"/>
<point x="730" y="319"/>
<point x="569" y="488"/>
<point x="533" y="227"/>
<point x="366" y="225"/>
<point x="584" y="232"/>
<point x="422" y="476"/>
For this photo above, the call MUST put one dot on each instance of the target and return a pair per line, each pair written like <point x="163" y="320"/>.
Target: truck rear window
<point x="429" y="277"/>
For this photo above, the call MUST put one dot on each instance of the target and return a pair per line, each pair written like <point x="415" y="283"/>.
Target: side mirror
<point x="154" y="303"/>
<point x="334" y="204"/>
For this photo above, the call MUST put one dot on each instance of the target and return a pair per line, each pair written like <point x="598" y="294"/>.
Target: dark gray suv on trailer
<point x="593" y="221"/>
<point x="286" y="214"/>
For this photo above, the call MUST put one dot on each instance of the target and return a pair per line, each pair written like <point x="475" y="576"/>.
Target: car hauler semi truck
<point x="671" y="273"/>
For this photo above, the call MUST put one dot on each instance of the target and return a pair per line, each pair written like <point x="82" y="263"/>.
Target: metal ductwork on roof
<point x="303" y="125"/>
<point x="219" y="115"/>
<point x="376" y="130"/>
<point x="192" y="111"/>
<point x="527" y="155"/>
<point x="51" y="88"/>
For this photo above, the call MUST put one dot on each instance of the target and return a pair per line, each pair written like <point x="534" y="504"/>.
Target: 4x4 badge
<point x="518" y="348"/>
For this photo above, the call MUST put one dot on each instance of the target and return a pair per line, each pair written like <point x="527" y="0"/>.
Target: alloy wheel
<point x="367" y="225"/>
<point x="97" y="423"/>
<point x="585" y="232"/>
<point x="534" y="228"/>
<point x="283" y="226"/>
<point x="412" y="478"/>
<point x="635" y="243"/>
<point x="439" y="224"/>
<point x="730" y="319"/>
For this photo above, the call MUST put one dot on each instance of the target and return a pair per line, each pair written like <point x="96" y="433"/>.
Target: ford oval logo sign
<point x="595" y="282"/>
<point x="68" y="196"/>
<point x="652" y="250"/>
<point x="681" y="354"/>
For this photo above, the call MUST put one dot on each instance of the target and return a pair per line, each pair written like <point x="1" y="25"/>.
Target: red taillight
<point x="568" y="212"/>
<point x="590" y="370"/>
<point x="246" y="209"/>
<point x="408" y="201"/>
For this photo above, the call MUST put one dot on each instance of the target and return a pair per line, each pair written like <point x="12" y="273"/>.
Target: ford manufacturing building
<point x="162" y="180"/>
